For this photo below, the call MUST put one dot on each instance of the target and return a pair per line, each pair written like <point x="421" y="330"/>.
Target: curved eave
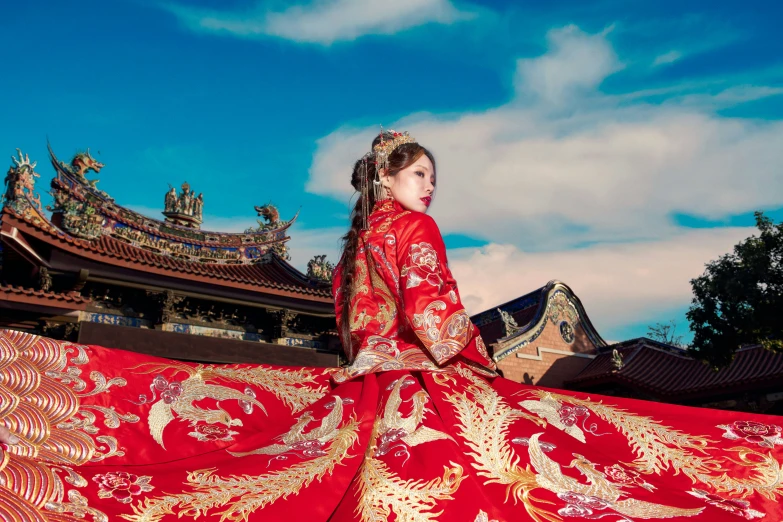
<point x="89" y="250"/>
<point x="673" y="376"/>
<point x="509" y="345"/>
<point x="325" y="286"/>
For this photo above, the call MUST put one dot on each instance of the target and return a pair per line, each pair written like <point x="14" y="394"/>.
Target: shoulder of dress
<point x="415" y="223"/>
<point x="414" y="219"/>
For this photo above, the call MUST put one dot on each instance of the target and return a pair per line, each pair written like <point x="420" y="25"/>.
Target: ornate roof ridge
<point x="505" y="346"/>
<point x="201" y="269"/>
<point x="117" y="209"/>
<point x="84" y="211"/>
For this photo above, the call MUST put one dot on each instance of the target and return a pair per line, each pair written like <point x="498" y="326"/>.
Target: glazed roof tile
<point x="19" y="293"/>
<point x="275" y="275"/>
<point x="667" y="371"/>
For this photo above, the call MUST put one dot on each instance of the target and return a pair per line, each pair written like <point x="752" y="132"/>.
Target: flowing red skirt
<point x="114" y="435"/>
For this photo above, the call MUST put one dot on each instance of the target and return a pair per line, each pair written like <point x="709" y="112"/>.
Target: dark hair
<point x="401" y="158"/>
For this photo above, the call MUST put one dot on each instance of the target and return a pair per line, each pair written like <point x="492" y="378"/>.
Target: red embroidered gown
<point x="416" y="428"/>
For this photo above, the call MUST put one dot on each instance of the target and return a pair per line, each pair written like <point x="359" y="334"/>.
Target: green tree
<point x="665" y="333"/>
<point x="739" y="299"/>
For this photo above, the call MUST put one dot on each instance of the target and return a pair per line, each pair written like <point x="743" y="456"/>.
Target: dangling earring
<point x="379" y="191"/>
<point x="364" y="192"/>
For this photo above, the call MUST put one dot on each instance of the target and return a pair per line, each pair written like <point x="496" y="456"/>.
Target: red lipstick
<point x="427" y="200"/>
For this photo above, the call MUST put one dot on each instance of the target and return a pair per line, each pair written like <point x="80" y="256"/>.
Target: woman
<point x="416" y="427"/>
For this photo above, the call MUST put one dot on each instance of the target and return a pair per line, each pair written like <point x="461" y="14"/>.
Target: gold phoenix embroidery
<point x="40" y="399"/>
<point x="484" y="421"/>
<point x="295" y="388"/>
<point x="551" y="477"/>
<point x="381" y="491"/>
<point x="296" y="438"/>
<point x="241" y="495"/>
<point x="659" y="447"/>
<point x="393" y="427"/>
<point x="196" y="387"/>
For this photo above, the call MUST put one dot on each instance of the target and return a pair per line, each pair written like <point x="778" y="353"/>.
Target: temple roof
<point x="522" y="309"/>
<point x="667" y="372"/>
<point x="87" y="223"/>
<point x="529" y="312"/>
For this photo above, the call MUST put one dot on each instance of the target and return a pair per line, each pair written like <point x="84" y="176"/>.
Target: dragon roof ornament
<point x="20" y="192"/>
<point x="83" y="211"/>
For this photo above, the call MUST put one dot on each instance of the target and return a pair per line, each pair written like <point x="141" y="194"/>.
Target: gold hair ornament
<point x="380" y="157"/>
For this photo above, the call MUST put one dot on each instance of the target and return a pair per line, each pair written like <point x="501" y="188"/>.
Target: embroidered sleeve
<point x="430" y="296"/>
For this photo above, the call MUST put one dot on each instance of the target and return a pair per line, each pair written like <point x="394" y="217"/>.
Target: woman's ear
<point x="386" y="180"/>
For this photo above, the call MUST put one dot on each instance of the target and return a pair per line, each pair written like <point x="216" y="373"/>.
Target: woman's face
<point x="413" y="186"/>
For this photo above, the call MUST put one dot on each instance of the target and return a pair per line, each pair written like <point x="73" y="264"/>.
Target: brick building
<point x="543" y="337"/>
<point x="546" y="338"/>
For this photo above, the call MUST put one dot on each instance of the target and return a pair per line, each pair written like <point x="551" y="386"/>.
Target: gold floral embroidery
<point x="424" y="266"/>
<point x="382" y="354"/>
<point x="121" y="485"/>
<point x="447" y="341"/>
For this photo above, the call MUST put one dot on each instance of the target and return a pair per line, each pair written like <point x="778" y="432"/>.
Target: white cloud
<point x="306" y="243"/>
<point x="593" y="168"/>
<point x="322" y="21"/>
<point x="577" y="62"/>
<point x="618" y="284"/>
<point x="729" y="97"/>
<point x="564" y="165"/>
<point x="666" y="58"/>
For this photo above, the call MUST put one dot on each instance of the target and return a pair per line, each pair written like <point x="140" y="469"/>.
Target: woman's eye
<point x="420" y="173"/>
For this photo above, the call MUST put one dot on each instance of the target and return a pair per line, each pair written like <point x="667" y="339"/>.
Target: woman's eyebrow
<point x="421" y="166"/>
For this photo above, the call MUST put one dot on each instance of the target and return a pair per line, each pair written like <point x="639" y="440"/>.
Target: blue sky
<point x="617" y="146"/>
